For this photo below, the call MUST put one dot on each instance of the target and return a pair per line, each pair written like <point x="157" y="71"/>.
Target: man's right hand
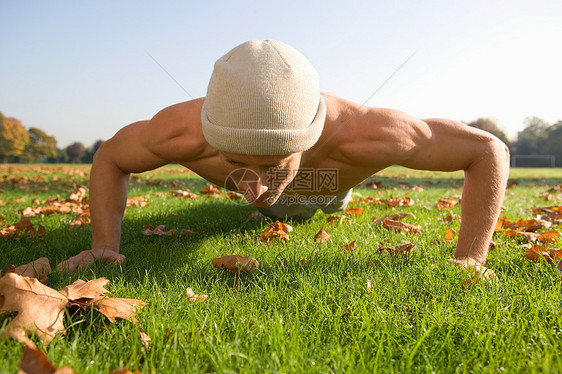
<point x="85" y="258"/>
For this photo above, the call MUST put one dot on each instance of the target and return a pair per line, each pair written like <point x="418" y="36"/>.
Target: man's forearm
<point x="108" y="198"/>
<point x="484" y="189"/>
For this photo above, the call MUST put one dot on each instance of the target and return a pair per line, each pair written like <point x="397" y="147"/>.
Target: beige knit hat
<point x="263" y="99"/>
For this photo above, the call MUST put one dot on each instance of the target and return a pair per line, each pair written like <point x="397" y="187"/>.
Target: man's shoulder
<point x="176" y="130"/>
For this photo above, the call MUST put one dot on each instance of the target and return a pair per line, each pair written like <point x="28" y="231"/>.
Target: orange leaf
<point x="193" y="298"/>
<point x="401" y="226"/>
<point x="322" y="236"/>
<point x="276" y="230"/>
<point x="449" y="235"/>
<point x="402" y="249"/>
<point x="349" y="247"/>
<point x="354" y="211"/>
<point x="234" y="263"/>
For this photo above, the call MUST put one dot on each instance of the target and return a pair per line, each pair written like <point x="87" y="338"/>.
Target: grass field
<point x="317" y="315"/>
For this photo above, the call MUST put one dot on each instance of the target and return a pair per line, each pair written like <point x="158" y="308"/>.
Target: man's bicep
<point x="451" y="146"/>
<point x="128" y="150"/>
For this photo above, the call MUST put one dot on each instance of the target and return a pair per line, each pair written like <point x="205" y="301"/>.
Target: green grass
<point x="314" y="317"/>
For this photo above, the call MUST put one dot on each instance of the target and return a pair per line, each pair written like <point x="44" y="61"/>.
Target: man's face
<point x="261" y="179"/>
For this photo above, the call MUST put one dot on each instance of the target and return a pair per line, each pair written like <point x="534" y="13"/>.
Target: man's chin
<point x="264" y="201"/>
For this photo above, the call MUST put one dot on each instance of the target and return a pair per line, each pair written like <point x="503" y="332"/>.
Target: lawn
<point x="311" y="307"/>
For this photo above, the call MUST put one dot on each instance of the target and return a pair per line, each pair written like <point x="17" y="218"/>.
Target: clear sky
<point x="81" y="70"/>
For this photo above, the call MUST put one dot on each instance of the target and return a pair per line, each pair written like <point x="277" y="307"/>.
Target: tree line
<point x="18" y="144"/>
<point x="33" y="145"/>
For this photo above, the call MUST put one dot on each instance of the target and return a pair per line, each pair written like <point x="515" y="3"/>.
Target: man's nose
<point x="253" y="189"/>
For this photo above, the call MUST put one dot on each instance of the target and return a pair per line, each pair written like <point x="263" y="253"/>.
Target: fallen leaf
<point x="393" y="217"/>
<point x="322" y="236"/>
<point x="449" y="235"/>
<point x="114" y="307"/>
<point x="401" y="226"/>
<point x="82" y="219"/>
<point x="234" y="263"/>
<point x="39" y="269"/>
<point x="40" y="308"/>
<point x="184" y="194"/>
<point x="446" y="203"/>
<point x="354" y="211"/>
<point x="349" y="247"/>
<point x="137" y="201"/>
<point x="36" y="362"/>
<point x="193" y="298"/>
<point x="336" y="220"/>
<point x="277" y="230"/>
<point x="159" y="230"/>
<point x="210" y="190"/>
<point x="187" y="232"/>
<point x="402" y="249"/>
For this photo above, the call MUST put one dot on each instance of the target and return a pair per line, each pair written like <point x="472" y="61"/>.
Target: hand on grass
<point x="88" y="257"/>
<point x="476" y="269"/>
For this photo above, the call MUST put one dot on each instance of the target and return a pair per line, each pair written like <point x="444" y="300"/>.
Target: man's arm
<point x="126" y="152"/>
<point x="452" y="146"/>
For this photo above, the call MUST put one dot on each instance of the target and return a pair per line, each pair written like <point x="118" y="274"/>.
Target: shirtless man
<point x="264" y="113"/>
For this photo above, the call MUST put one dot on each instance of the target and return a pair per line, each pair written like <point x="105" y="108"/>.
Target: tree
<point x="75" y="152"/>
<point x="40" y="147"/>
<point x="13" y="137"/>
<point x="531" y="140"/>
<point x="553" y="142"/>
<point x="487" y="124"/>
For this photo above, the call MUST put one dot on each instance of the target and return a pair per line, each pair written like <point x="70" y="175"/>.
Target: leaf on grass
<point x="349" y="247"/>
<point x="393" y="217"/>
<point x="193" y="298"/>
<point x="233" y="196"/>
<point x="446" y="203"/>
<point x="354" y="211"/>
<point x="234" y="263"/>
<point x="82" y="219"/>
<point x="115" y="307"/>
<point x="449" y="235"/>
<point x="184" y="194"/>
<point x="40" y="308"/>
<point x="336" y="220"/>
<point x="211" y="191"/>
<point x="137" y="201"/>
<point x="159" y="230"/>
<point x="401" y="226"/>
<point x="277" y="230"/>
<point x="25" y="226"/>
<point x="39" y="269"/>
<point x="36" y="362"/>
<point x="187" y="232"/>
<point x="322" y="236"/>
<point x="399" y="250"/>
<point x="539" y="253"/>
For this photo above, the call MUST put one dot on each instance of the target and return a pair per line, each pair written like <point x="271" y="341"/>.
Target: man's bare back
<point x="356" y="140"/>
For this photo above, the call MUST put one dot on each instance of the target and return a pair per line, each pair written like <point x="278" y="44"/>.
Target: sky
<point x="81" y="70"/>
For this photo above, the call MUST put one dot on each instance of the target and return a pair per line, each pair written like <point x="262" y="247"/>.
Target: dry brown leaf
<point x="403" y="249"/>
<point x="80" y="289"/>
<point x="39" y="269"/>
<point x="137" y="201"/>
<point x="354" y="211"/>
<point x="393" y="217"/>
<point x="194" y="298"/>
<point x="40" y="308"/>
<point x="210" y="190"/>
<point x="115" y="307"/>
<point x="349" y="247"/>
<point x="187" y="232"/>
<point x="322" y="236"/>
<point x="184" y="194"/>
<point x="336" y="220"/>
<point x="83" y="219"/>
<point x="36" y="362"/>
<point x="401" y="226"/>
<point x="539" y="253"/>
<point x="449" y="235"/>
<point x="159" y="230"/>
<point x="277" y="230"/>
<point x="235" y="263"/>
<point x="446" y="203"/>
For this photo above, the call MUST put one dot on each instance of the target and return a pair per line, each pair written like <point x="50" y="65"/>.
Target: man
<point x="263" y="120"/>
